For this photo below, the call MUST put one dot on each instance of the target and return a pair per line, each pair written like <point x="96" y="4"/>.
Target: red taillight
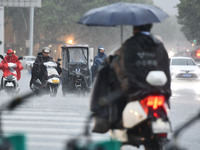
<point x="156" y="115"/>
<point x="153" y="101"/>
<point x="163" y="135"/>
<point x="198" y="53"/>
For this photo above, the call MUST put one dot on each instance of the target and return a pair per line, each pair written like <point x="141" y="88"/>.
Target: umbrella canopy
<point x="123" y="13"/>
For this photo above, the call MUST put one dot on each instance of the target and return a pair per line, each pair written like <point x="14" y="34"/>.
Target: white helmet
<point x="46" y="50"/>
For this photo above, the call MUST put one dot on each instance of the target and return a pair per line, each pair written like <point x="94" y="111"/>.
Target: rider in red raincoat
<point x="11" y="58"/>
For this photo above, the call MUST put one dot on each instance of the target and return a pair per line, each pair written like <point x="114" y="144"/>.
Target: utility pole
<point x="1" y="30"/>
<point x="18" y="3"/>
<point x="31" y="30"/>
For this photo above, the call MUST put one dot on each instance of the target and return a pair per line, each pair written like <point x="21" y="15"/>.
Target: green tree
<point x="18" y="17"/>
<point x="189" y="17"/>
<point x="57" y="19"/>
<point x="170" y="32"/>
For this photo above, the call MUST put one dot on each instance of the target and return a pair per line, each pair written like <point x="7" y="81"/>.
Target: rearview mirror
<point x="59" y="59"/>
<point x="20" y="58"/>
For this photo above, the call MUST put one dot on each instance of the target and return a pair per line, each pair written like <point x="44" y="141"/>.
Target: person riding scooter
<point x="11" y="58"/>
<point x="39" y="70"/>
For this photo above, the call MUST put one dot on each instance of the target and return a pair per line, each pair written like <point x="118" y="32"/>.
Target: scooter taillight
<point x="162" y="135"/>
<point x="153" y="101"/>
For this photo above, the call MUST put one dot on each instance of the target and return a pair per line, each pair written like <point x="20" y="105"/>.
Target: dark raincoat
<point x="123" y="77"/>
<point x="39" y="70"/>
<point x="137" y="57"/>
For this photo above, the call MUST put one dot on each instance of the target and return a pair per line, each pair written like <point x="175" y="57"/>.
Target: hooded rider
<point x="11" y="58"/>
<point x="98" y="59"/>
<point x="124" y="76"/>
<point x="39" y="70"/>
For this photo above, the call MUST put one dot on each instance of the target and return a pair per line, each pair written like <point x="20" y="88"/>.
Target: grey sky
<point x="167" y="5"/>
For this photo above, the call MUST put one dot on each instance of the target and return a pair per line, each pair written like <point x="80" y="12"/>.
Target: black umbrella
<point x="123" y="13"/>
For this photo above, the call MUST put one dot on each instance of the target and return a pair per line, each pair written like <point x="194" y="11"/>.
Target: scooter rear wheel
<point x="53" y="90"/>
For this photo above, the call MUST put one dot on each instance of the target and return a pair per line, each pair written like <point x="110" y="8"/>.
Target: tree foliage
<point x="169" y="31"/>
<point x="56" y="20"/>
<point x="18" y="18"/>
<point x="189" y="18"/>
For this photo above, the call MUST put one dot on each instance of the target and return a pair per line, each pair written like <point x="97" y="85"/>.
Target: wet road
<point x="48" y="122"/>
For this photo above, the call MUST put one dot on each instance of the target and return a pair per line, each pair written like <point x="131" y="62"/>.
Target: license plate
<point x="160" y="126"/>
<point x="10" y="84"/>
<point x="187" y="75"/>
<point x="55" y="81"/>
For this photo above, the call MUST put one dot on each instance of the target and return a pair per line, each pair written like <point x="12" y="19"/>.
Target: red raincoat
<point x="13" y="59"/>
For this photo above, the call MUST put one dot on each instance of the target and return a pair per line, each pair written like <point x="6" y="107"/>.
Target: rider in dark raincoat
<point x="39" y="70"/>
<point x="123" y="77"/>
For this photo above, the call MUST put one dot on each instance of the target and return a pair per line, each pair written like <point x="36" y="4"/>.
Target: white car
<point x="28" y="61"/>
<point x="184" y="68"/>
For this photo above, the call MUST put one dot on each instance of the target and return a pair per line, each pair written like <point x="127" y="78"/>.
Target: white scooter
<point x="52" y="82"/>
<point x="9" y="79"/>
<point x="145" y="122"/>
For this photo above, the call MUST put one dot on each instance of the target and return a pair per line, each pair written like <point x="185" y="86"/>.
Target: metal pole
<point x="31" y="31"/>
<point x="2" y="30"/>
<point x="121" y="33"/>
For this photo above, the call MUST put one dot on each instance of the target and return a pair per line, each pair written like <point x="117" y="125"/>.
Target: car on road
<point x="27" y="61"/>
<point x="184" y="68"/>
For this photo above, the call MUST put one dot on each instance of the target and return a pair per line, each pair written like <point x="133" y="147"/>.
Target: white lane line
<point x="44" y="130"/>
<point x="35" y="118"/>
<point x="25" y="123"/>
<point x="39" y="113"/>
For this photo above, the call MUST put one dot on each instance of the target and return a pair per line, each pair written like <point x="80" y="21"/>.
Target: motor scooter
<point x="52" y="82"/>
<point x="146" y="122"/>
<point x="9" y="79"/>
